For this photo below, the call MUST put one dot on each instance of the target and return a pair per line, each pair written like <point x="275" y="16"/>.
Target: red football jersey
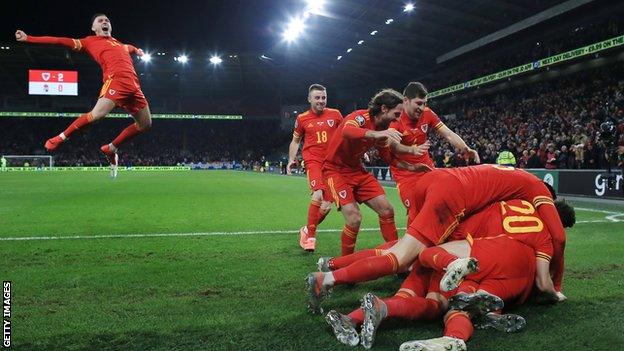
<point x="517" y="219"/>
<point x="112" y="55"/>
<point x="316" y="132"/>
<point x="347" y="153"/>
<point x="414" y="134"/>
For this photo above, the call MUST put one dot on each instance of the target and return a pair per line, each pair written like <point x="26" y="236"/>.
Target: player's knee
<point x="386" y="211"/>
<point x="145" y="124"/>
<point x="354" y="219"/>
<point x="97" y="115"/>
<point x="317" y="196"/>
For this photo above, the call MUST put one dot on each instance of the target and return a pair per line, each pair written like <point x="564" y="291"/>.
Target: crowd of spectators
<point x="211" y="143"/>
<point x="552" y="124"/>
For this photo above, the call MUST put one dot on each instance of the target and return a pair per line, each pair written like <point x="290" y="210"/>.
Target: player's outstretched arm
<point x="458" y="143"/>
<point x="544" y="283"/>
<point x="73" y="44"/>
<point x="134" y="50"/>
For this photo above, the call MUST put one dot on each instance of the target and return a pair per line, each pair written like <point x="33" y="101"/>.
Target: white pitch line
<point x="156" y="235"/>
<point x="258" y="232"/>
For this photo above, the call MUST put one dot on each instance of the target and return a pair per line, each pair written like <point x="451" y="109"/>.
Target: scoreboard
<point x="48" y="82"/>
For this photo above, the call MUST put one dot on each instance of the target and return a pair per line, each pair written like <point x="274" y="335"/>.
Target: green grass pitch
<point x="227" y="272"/>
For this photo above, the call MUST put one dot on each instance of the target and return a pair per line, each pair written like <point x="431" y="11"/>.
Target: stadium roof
<point x="248" y="36"/>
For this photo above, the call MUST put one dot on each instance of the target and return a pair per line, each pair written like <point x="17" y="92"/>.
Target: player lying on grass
<point x="509" y="267"/>
<point x="443" y="198"/>
<point x="121" y="85"/>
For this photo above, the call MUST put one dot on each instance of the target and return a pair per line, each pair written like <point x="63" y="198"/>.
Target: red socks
<point x="367" y="269"/>
<point x="343" y="261"/>
<point x="436" y="258"/>
<point x="77" y="124"/>
<point x="413" y="307"/>
<point x="357" y="316"/>
<point x="388" y="228"/>
<point x="313" y="217"/>
<point x="458" y="325"/>
<point x="130" y="132"/>
<point x="348" y="238"/>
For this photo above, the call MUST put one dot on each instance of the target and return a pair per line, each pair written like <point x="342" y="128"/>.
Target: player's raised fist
<point x="20" y="35"/>
<point x="139" y="52"/>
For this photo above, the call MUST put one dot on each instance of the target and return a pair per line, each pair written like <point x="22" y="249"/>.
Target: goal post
<point x="37" y="161"/>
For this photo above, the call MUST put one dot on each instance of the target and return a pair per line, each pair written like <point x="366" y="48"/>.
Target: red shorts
<point x="417" y="280"/>
<point x="439" y="200"/>
<point x="125" y="93"/>
<point x="314" y="171"/>
<point x="506" y="268"/>
<point x="406" y="187"/>
<point x="349" y="186"/>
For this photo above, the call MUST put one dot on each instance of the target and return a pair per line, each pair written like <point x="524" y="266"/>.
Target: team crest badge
<point x="360" y="120"/>
<point x="45" y="76"/>
<point x="313" y="183"/>
<point x="111" y="91"/>
<point x="424" y="128"/>
<point x="330" y="122"/>
<point x="407" y="203"/>
<point x="343" y="194"/>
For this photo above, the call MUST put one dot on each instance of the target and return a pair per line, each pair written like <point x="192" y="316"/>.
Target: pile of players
<point x="479" y="238"/>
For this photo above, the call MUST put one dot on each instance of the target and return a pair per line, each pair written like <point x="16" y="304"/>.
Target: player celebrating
<point x="442" y="198"/>
<point x="316" y="127"/>
<point x="415" y="122"/>
<point x="121" y="84"/>
<point x="346" y="177"/>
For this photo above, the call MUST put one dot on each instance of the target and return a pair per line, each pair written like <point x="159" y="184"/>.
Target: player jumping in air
<point x="121" y="85"/>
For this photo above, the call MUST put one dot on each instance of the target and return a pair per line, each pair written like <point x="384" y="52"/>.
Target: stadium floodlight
<point x="315" y="6"/>
<point x="389" y="20"/>
<point x="183" y="59"/>
<point x="339" y="57"/>
<point x="146" y="57"/>
<point x="349" y="50"/>
<point x="360" y="42"/>
<point x="409" y="7"/>
<point x="293" y="30"/>
<point x="373" y="32"/>
<point x="215" y="60"/>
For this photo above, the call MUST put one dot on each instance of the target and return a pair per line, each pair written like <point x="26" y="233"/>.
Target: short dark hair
<point x="552" y="191"/>
<point x="96" y="16"/>
<point x="388" y="97"/>
<point x="566" y="213"/>
<point x="316" y="87"/>
<point x="415" y="90"/>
